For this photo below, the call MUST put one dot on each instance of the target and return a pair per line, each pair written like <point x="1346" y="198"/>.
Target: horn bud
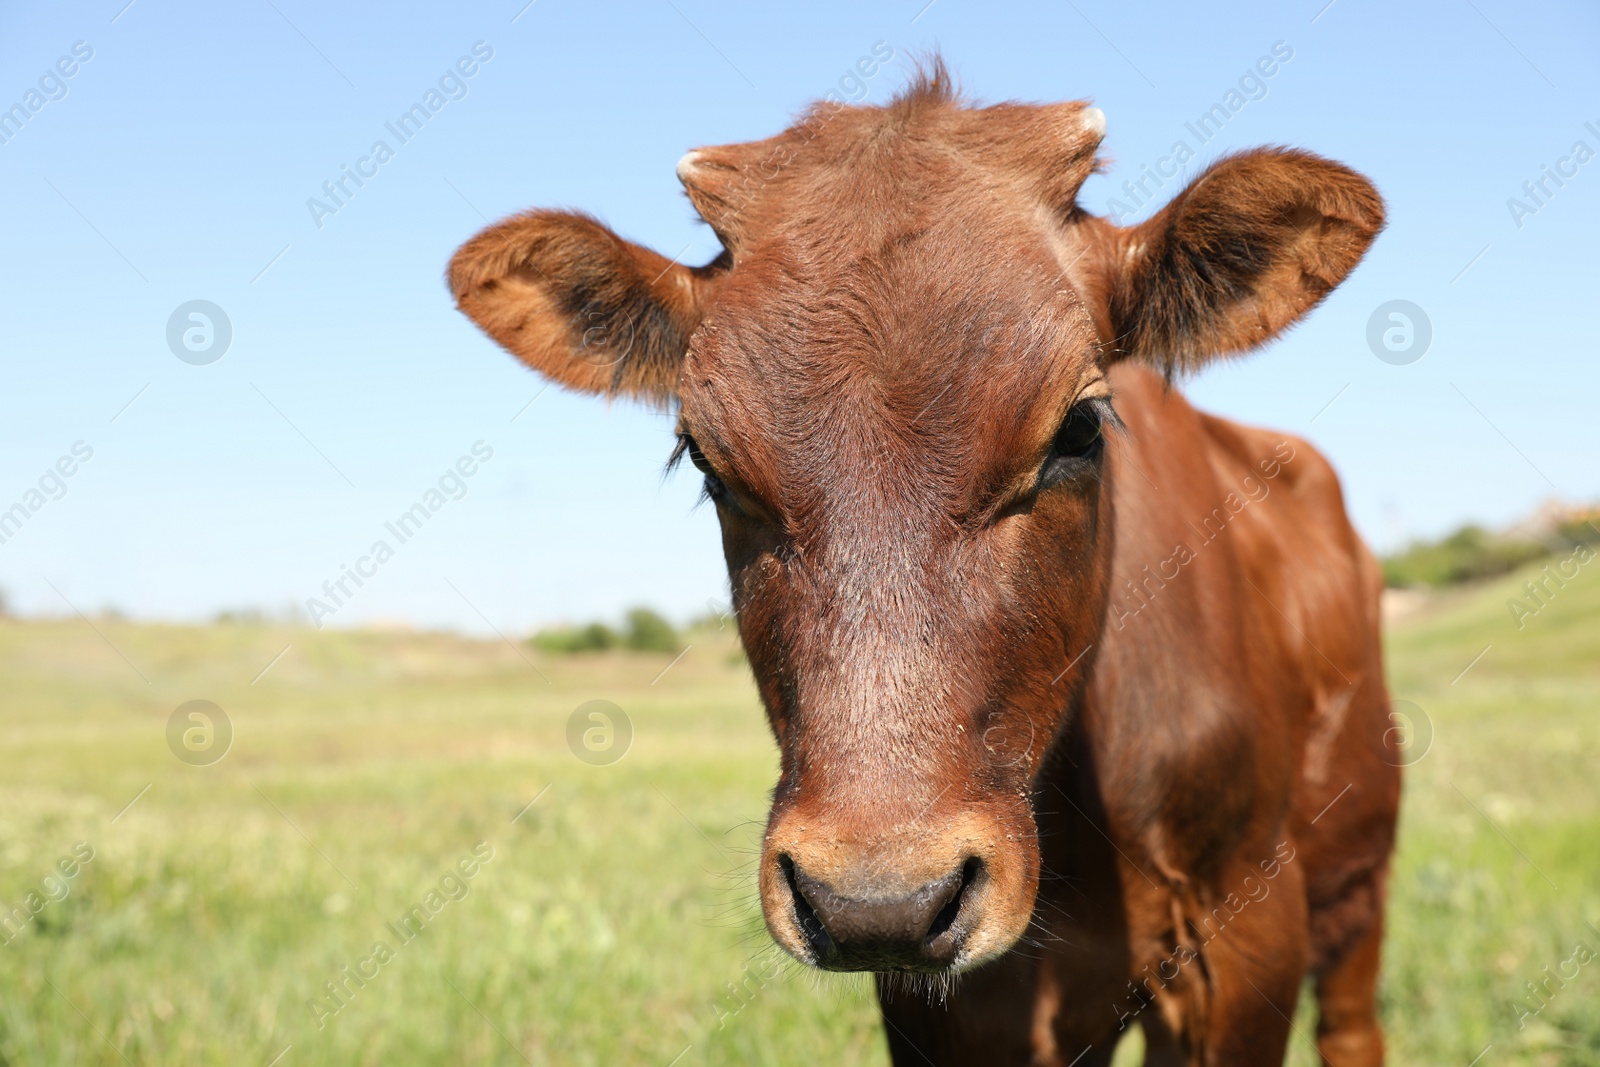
<point x="1094" y="121"/>
<point x="724" y="182"/>
<point x="1050" y="147"/>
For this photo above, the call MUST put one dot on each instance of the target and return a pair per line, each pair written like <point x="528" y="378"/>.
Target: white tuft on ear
<point x="1094" y="120"/>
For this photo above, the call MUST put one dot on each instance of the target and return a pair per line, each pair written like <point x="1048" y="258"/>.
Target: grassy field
<point x="614" y="920"/>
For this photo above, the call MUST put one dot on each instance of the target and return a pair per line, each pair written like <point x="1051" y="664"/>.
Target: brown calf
<point x="1078" y="691"/>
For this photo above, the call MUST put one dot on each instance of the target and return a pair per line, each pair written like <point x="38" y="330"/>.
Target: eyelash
<point x="715" y="490"/>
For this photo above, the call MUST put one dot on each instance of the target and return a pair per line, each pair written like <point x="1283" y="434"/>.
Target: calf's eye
<point x="1080" y="436"/>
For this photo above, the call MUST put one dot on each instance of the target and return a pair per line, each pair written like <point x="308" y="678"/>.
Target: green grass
<point x="1498" y="872"/>
<point x="616" y="922"/>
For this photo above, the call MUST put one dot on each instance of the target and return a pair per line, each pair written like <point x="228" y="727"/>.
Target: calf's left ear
<point x="1236" y="258"/>
<point x="580" y="305"/>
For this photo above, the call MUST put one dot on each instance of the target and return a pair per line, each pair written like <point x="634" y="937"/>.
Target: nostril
<point x="805" y="915"/>
<point x="946" y="918"/>
<point x="886" y="928"/>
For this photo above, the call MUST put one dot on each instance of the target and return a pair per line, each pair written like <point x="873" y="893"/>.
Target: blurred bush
<point x="649" y="632"/>
<point x="1469" y="554"/>
<point x="1581" y="527"/>
<point x="643" y="630"/>
<point x="595" y="637"/>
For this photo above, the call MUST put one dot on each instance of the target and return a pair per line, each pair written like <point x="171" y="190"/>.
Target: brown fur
<point x="1133" y="720"/>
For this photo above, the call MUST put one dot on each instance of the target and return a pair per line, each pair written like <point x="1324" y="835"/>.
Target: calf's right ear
<point x="581" y="306"/>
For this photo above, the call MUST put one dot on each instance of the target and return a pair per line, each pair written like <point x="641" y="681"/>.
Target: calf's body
<point x="1078" y="692"/>
<point x="1217" y="820"/>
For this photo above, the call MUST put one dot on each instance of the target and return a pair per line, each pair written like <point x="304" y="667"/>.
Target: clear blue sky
<point x="179" y="161"/>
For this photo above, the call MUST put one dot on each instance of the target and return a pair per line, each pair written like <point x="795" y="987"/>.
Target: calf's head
<point x="894" y="380"/>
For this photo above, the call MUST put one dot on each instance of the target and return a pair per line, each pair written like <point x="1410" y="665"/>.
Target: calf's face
<point x="894" y="383"/>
